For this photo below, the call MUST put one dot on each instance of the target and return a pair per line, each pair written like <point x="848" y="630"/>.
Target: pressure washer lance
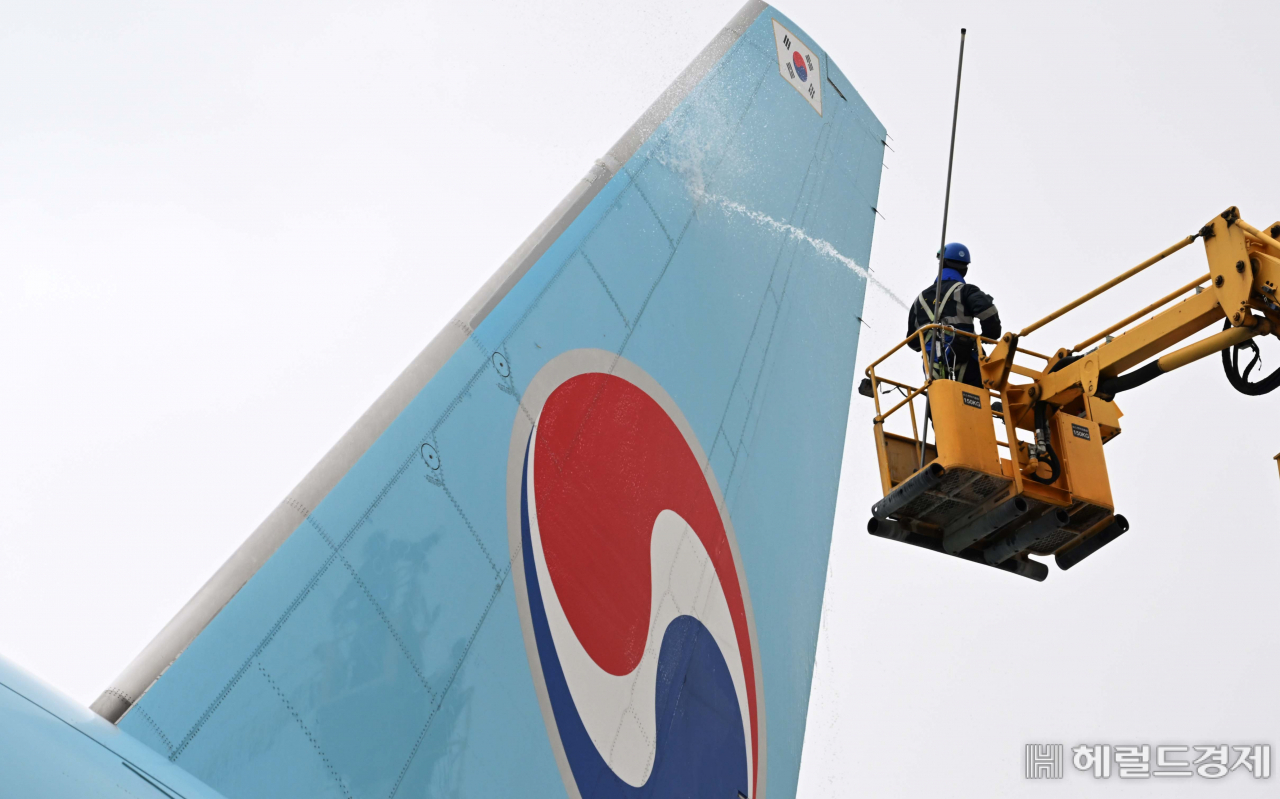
<point x="946" y="209"/>
<point x="951" y="160"/>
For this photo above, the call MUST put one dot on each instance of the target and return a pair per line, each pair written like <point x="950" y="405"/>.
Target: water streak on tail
<point x="822" y="246"/>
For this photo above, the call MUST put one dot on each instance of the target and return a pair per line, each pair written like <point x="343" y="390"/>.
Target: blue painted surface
<point x="379" y="652"/>
<point x="53" y="748"/>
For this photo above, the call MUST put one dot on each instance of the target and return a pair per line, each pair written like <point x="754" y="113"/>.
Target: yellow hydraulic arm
<point x="1244" y="269"/>
<point x="1049" y="493"/>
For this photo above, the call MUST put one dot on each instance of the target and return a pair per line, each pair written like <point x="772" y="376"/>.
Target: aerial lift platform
<point x="982" y="492"/>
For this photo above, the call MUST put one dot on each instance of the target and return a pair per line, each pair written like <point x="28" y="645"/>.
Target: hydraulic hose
<point x="1240" y="380"/>
<point x="1110" y="387"/>
<point x="1044" y="439"/>
<point x="1229" y="342"/>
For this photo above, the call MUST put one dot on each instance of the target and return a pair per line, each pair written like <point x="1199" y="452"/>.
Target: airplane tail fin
<point x="580" y="543"/>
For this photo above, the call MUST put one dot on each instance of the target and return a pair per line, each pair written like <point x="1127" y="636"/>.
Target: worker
<point x="954" y="357"/>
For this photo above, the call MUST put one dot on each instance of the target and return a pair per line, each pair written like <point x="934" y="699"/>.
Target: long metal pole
<point x="951" y="159"/>
<point x="946" y="210"/>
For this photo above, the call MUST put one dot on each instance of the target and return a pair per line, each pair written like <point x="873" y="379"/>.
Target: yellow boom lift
<point x="981" y="492"/>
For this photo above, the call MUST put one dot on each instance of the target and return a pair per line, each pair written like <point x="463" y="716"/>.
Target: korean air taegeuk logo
<point x="635" y="608"/>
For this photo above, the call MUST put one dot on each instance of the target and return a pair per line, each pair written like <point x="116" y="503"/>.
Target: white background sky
<point x="225" y="229"/>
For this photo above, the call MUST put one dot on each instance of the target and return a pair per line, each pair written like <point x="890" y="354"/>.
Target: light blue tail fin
<point x="580" y="544"/>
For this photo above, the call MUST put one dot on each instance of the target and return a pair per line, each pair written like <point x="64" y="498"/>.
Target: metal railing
<point x="911" y="392"/>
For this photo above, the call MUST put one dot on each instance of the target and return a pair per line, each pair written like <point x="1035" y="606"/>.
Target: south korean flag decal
<point x="798" y="66"/>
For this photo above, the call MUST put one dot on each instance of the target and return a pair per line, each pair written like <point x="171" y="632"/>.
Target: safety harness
<point x="938" y="343"/>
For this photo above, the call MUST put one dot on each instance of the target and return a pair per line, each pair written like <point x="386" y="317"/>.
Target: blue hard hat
<point x="956" y="251"/>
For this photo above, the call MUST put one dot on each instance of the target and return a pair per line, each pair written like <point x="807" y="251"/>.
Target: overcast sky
<point x="224" y="229"/>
